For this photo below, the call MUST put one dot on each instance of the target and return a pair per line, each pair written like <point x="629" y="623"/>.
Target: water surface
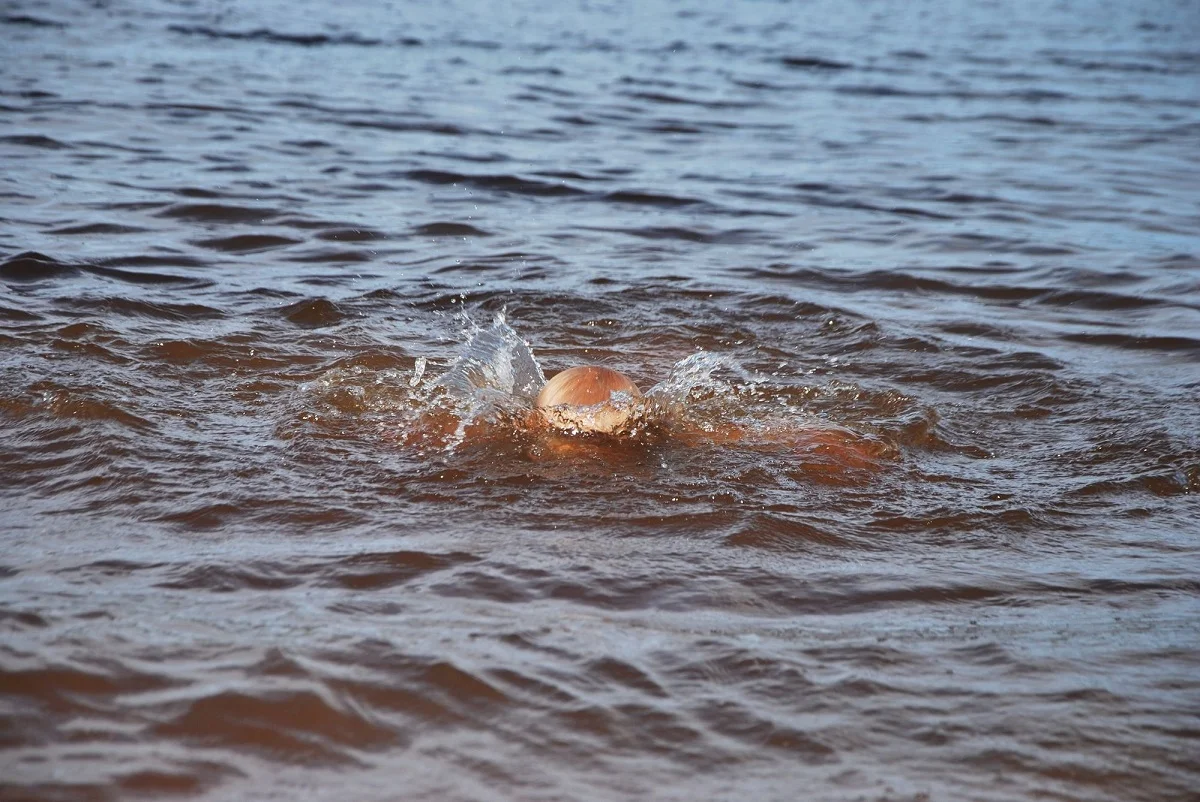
<point x="232" y="237"/>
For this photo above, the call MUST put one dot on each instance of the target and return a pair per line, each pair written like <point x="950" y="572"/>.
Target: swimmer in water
<point x="592" y="400"/>
<point x="590" y="407"/>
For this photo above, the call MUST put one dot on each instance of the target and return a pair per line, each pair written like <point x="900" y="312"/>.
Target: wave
<point x="501" y="183"/>
<point x="278" y="37"/>
<point x="219" y="213"/>
<point x="246" y="243"/>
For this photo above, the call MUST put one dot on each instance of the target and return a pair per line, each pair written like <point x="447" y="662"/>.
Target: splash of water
<point x="696" y="372"/>
<point x="495" y="359"/>
<point x="495" y="377"/>
<point x="693" y="393"/>
<point x="493" y="382"/>
<point x="418" y="371"/>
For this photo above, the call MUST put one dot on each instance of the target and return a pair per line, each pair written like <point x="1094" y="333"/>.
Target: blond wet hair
<point x="581" y="400"/>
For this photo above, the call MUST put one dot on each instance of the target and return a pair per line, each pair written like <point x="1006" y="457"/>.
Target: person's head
<point x="580" y="399"/>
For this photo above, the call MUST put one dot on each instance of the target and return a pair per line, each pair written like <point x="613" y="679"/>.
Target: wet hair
<point x="578" y="399"/>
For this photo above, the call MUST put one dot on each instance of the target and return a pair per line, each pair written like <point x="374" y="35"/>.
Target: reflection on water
<point x="909" y="513"/>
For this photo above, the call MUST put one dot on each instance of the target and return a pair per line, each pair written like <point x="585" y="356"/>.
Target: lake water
<point x="241" y="243"/>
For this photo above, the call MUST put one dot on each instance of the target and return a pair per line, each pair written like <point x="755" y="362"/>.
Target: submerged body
<point x="591" y="399"/>
<point x="595" y="411"/>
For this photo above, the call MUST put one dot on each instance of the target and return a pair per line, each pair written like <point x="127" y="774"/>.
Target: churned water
<point x="266" y="268"/>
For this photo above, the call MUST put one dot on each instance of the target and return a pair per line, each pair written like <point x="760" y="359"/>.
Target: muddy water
<point x="239" y="245"/>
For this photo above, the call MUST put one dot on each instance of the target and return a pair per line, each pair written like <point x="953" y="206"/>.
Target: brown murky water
<point x="241" y="246"/>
